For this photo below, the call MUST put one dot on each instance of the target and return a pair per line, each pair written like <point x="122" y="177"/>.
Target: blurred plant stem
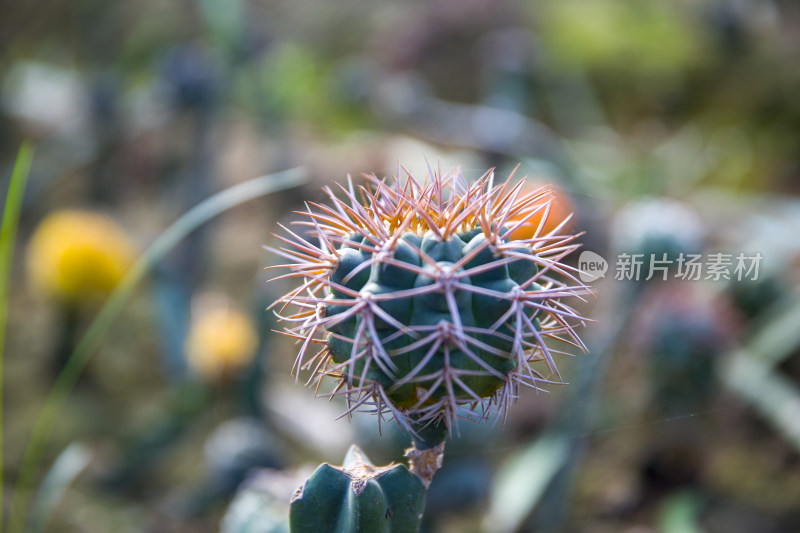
<point x="553" y="508"/>
<point x="183" y="271"/>
<point x="68" y="323"/>
<point x="186" y="224"/>
<point x="426" y="453"/>
<point x="8" y="234"/>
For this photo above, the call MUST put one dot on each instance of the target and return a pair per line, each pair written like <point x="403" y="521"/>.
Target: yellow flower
<point x="221" y="342"/>
<point x="78" y="256"/>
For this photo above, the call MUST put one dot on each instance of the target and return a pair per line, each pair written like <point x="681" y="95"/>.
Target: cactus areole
<point x="413" y="295"/>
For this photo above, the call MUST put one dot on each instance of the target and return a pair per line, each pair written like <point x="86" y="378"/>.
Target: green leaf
<point x="8" y="234"/>
<point x="72" y="461"/>
<point x="522" y="480"/>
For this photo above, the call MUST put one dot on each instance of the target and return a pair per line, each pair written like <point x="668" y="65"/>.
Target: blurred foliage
<point x="628" y="38"/>
<point x="682" y="418"/>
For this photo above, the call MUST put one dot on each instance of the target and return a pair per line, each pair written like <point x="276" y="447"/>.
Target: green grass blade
<point x="80" y="357"/>
<point x="8" y="234"/>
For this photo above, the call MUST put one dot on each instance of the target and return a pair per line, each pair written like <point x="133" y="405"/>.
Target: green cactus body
<point x="423" y="304"/>
<point x="358" y="497"/>
<point x="411" y="367"/>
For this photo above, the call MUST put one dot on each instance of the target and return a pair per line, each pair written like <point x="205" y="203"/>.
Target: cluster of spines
<point x="367" y="226"/>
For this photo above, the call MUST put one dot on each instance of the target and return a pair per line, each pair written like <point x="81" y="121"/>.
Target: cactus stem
<point x="428" y="435"/>
<point x="426" y="461"/>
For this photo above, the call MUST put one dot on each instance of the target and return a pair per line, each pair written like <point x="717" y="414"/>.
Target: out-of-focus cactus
<point x="234" y="450"/>
<point x="77" y="256"/>
<point x="357" y="497"/>
<point x="260" y="503"/>
<point x="682" y="330"/>
<point x="661" y="231"/>
<point x="657" y="226"/>
<point x="417" y="298"/>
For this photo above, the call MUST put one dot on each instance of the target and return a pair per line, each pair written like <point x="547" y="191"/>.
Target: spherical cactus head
<point x="417" y="298"/>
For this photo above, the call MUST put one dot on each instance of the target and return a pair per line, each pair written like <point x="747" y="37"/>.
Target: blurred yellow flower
<point x="78" y="256"/>
<point x="221" y="342"/>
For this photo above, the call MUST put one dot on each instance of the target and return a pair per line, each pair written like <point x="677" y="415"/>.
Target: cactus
<point x="358" y="497"/>
<point x="418" y="300"/>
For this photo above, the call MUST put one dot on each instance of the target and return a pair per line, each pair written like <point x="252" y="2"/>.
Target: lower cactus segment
<point x="358" y="497"/>
<point x="421" y="302"/>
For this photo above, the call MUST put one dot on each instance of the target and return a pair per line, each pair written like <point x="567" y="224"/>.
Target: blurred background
<point x="666" y="127"/>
